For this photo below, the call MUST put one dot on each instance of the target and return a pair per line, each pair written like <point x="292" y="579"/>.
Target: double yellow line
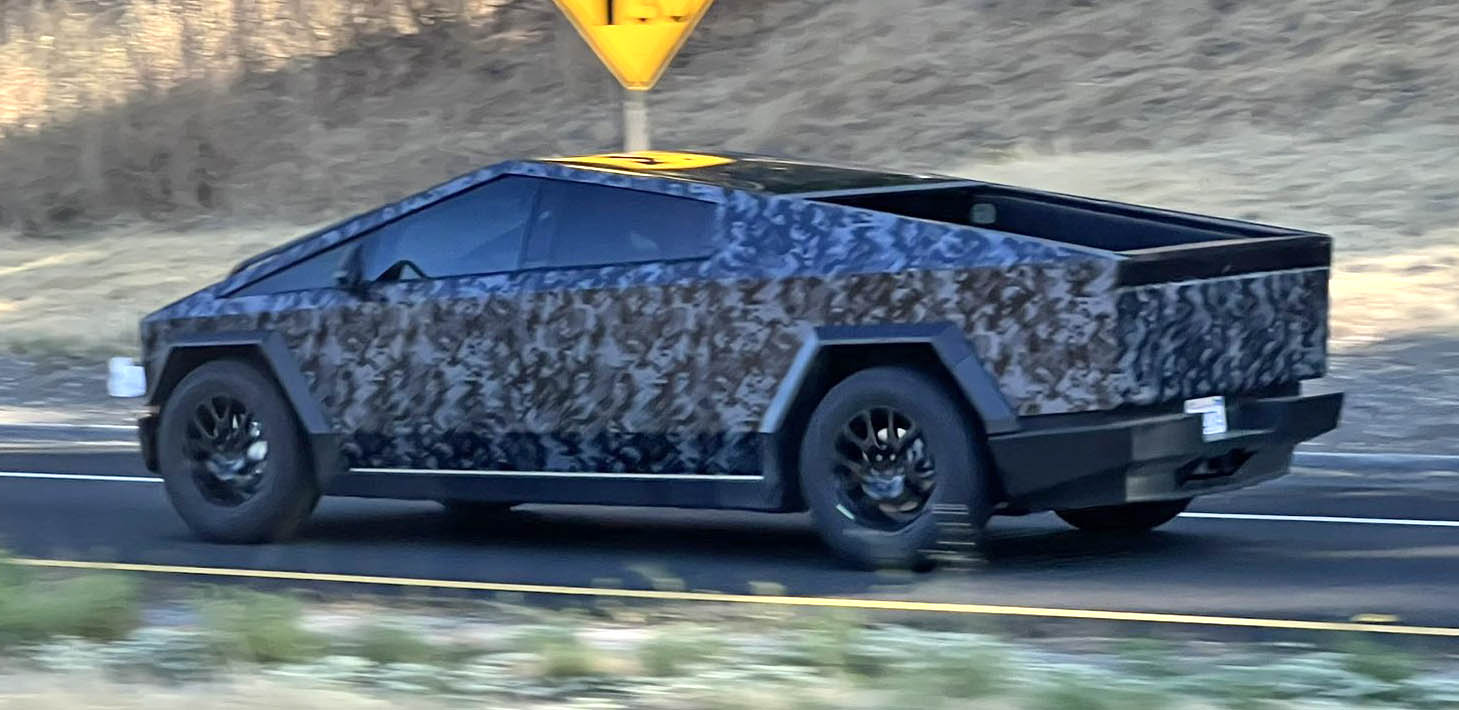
<point x="774" y="600"/>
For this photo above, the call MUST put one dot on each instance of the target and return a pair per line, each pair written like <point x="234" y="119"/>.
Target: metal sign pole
<point x="635" y="120"/>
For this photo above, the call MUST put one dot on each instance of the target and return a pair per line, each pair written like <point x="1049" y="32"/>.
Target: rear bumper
<point x="1080" y="461"/>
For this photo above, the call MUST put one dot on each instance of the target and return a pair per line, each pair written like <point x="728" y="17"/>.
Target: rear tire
<point x="1129" y="517"/>
<point x="878" y="488"/>
<point x="232" y="457"/>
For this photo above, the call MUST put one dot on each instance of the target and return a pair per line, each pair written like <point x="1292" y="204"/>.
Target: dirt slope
<point x="297" y="109"/>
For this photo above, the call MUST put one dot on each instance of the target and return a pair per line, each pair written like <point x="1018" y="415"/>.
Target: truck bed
<point x="1155" y="245"/>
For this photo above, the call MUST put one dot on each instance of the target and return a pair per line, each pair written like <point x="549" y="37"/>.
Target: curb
<point x="1394" y="462"/>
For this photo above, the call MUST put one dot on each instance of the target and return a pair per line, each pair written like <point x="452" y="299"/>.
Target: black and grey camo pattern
<point x="670" y="367"/>
<point x="1234" y="334"/>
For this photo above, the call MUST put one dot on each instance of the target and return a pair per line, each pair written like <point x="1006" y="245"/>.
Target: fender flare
<point x="947" y="341"/>
<point x="178" y="356"/>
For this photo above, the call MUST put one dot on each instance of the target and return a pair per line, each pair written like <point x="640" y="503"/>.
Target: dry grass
<point x="84" y="296"/>
<point x="268" y="109"/>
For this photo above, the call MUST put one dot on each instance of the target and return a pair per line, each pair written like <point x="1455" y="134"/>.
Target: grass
<point x="384" y="643"/>
<point x="563" y="655"/>
<point x="963" y="674"/>
<point x="100" y="607"/>
<point x="1071" y="692"/>
<point x="1378" y="661"/>
<point x="833" y="641"/>
<point x="245" y="625"/>
<point x="671" y="651"/>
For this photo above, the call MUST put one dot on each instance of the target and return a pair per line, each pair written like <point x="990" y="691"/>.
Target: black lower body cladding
<point x="1154" y="454"/>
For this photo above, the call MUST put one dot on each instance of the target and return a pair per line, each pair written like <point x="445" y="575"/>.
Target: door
<point x="405" y="366"/>
<point x="613" y="347"/>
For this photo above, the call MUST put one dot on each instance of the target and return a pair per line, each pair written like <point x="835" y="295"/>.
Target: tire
<point x="851" y="517"/>
<point x="263" y="501"/>
<point x="1129" y="517"/>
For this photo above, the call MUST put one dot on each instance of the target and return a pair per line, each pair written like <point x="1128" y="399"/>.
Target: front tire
<point x="885" y="453"/>
<point x="232" y="456"/>
<point x="1129" y="517"/>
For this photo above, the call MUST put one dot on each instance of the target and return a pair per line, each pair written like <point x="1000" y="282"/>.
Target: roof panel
<point x="748" y="172"/>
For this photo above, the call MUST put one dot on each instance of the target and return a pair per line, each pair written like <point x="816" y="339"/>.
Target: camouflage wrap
<point x="669" y="367"/>
<point x="1235" y="334"/>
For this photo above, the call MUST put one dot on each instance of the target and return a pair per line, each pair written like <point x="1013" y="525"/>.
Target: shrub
<point x="392" y="644"/>
<point x="669" y="651"/>
<point x="245" y="625"/>
<point x="101" y="607"/>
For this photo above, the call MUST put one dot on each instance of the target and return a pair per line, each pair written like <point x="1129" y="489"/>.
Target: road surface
<point x="1315" y="546"/>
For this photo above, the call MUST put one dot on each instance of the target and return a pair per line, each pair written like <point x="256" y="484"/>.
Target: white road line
<point x="1325" y="519"/>
<point x="33" y="425"/>
<point x="63" y="445"/>
<point x="1206" y="516"/>
<point x="80" y="477"/>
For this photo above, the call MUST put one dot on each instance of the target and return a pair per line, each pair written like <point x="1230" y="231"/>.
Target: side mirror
<point x="350" y="275"/>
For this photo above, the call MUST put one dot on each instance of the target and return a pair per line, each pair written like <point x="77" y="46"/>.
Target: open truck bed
<point x="1153" y="245"/>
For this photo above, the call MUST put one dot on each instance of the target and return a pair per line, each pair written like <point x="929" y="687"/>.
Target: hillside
<point x="302" y="109"/>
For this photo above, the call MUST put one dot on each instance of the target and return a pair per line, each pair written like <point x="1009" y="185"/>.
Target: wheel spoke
<point x="858" y="468"/>
<point x="906" y="438"/>
<point x="202" y="428"/>
<point x="860" y="441"/>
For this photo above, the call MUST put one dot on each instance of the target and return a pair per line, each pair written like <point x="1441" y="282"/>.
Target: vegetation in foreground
<point x="662" y="657"/>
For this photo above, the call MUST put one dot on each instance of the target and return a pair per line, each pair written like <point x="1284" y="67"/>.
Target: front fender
<point x="180" y="355"/>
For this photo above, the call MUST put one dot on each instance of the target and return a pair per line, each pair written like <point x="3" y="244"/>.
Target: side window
<point x="315" y="272"/>
<point x="581" y="224"/>
<point x="479" y="231"/>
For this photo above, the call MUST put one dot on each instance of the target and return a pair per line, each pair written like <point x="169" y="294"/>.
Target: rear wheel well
<point x="834" y="363"/>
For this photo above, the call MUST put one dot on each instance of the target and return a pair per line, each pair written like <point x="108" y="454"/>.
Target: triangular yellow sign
<point x="635" y="38"/>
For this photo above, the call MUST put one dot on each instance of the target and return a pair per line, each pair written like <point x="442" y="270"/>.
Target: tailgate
<point x="1183" y="332"/>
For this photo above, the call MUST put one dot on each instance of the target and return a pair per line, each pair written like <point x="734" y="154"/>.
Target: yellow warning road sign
<point x="635" y="38"/>
<point x="649" y="160"/>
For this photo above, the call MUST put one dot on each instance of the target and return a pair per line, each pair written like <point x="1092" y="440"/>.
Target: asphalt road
<point x="1397" y="556"/>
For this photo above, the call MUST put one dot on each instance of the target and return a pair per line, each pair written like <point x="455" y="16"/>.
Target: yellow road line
<point x="777" y="600"/>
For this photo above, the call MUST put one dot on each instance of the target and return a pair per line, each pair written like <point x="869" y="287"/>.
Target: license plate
<point x="1213" y="414"/>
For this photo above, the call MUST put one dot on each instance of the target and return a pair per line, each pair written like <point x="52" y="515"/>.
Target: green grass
<point x="563" y="654"/>
<point x="100" y="607"/>
<point x="245" y="625"/>
<point x="834" y="641"/>
<point x="1070" y="692"/>
<point x="1378" y="661"/>
<point x="671" y="651"/>
<point x="392" y="644"/>
<point x="963" y="674"/>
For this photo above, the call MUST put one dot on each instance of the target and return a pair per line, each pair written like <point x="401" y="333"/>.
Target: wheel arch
<point x="832" y="353"/>
<point x="265" y="350"/>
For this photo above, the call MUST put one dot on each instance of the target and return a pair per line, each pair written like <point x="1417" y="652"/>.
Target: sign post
<point x="635" y="120"/>
<point x="636" y="40"/>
